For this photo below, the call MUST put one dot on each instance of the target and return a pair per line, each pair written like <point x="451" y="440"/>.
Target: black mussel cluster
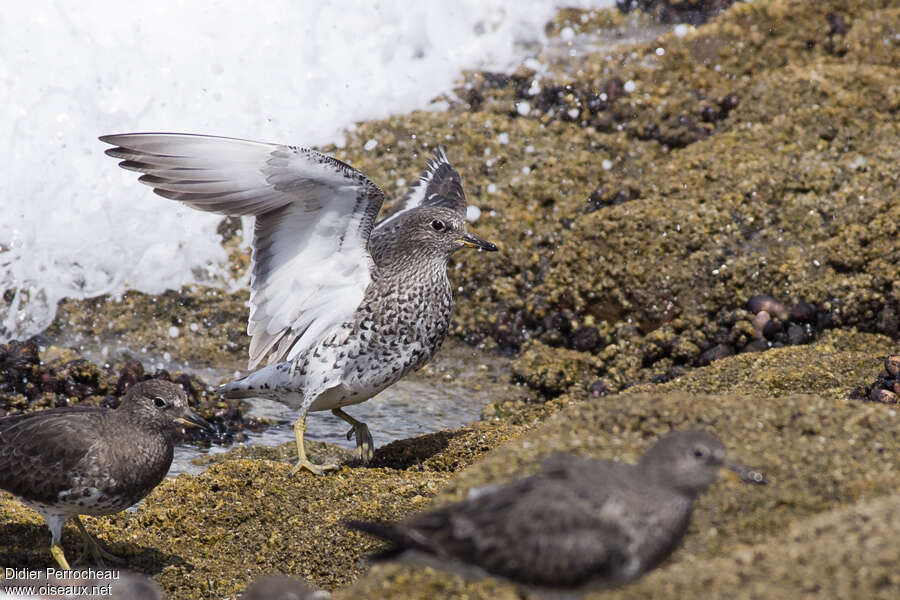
<point x="772" y="324"/>
<point x="636" y="352"/>
<point x="27" y="382"/>
<point x="886" y="387"/>
<point x="695" y="12"/>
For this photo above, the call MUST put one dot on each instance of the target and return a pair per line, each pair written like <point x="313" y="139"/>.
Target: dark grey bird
<point x="343" y="307"/>
<point x="577" y="524"/>
<point x="89" y="460"/>
<point x="282" y="587"/>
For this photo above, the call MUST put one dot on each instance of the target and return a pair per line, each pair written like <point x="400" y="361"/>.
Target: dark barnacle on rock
<point x="695" y="12"/>
<point x="132" y="372"/>
<point x="837" y="24"/>
<point x="715" y="353"/>
<point x="558" y="327"/>
<point x="586" y="339"/>
<point x="756" y="346"/>
<point x="772" y="328"/>
<point x="837" y="29"/>
<point x="19" y="364"/>
<point x="799" y="334"/>
<point x="728" y="103"/>
<point x="711" y="114"/>
<point x="892" y="365"/>
<point x="598" y="389"/>
<point x="803" y="312"/>
<point x="603" y="196"/>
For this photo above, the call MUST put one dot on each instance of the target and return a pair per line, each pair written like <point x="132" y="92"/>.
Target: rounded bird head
<point x="690" y="461"/>
<point x="441" y="230"/>
<point x="164" y="402"/>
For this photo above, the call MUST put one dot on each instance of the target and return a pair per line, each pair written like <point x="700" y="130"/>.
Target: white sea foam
<point x="74" y="225"/>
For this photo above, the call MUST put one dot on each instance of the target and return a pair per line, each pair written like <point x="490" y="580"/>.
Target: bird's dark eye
<point x="159" y="402"/>
<point x="437" y="225"/>
<point x="700" y="452"/>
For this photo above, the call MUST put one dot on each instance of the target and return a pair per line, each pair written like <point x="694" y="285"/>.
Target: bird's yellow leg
<point x="364" y="442"/>
<point x="58" y="555"/>
<point x="302" y="461"/>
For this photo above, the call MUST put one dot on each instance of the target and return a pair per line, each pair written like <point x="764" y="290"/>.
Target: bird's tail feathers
<point x="400" y="540"/>
<point x="258" y="384"/>
<point x="236" y="389"/>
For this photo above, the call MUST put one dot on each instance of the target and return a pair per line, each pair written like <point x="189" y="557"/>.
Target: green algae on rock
<point x="820" y="452"/>
<point x="753" y="155"/>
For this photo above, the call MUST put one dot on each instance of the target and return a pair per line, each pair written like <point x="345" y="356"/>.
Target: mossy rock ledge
<point x="756" y="154"/>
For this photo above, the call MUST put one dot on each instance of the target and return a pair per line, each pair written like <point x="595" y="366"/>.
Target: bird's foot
<point x="57" y="552"/>
<point x="93" y="547"/>
<point x="304" y="464"/>
<point x="99" y="556"/>
<point x="364" y="442"/>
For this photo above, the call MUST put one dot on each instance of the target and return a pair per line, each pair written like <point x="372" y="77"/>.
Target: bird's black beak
<point x="470" y="240"/>
<point x="743" y="473"/>
<point x="192" y="419"/>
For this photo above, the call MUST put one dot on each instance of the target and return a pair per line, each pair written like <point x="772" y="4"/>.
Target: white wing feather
<point x="314" y="214"/>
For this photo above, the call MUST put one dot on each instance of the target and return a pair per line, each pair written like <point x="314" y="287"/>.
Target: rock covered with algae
<point x="642" y="200"/>
<point x="830" y="462"/>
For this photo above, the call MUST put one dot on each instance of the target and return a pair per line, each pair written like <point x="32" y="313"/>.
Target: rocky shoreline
<point x="699" y="230"/>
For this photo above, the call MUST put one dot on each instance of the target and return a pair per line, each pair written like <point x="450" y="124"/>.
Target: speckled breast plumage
<point x="400" y="325"/>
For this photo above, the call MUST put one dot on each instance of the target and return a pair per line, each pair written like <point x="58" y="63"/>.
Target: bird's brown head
<point x="441" y="230"/>
<point x="164" y="401"/>
<point x="691" y="461"/>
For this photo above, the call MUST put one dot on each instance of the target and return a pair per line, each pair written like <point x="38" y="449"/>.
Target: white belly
<point x="341" y="395"/>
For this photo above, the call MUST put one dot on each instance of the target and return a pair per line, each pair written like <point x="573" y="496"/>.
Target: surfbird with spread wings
<point x="91" y="460"/>
<point x="342" y="306"/>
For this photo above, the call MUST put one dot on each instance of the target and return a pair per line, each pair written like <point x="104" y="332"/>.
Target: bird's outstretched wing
<point x="314" y="214"/>
<point x="539" y="530"/>
<point x="438" y="185"/>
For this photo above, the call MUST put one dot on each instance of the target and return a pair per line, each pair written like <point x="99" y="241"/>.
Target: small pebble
<point x="803" y="312"/>
<point x="757" y="346"/>
<point x="892" y="365"/>
<point x="772" y="328"/>
<point x="715" y="353"/>
<point x="586" y="339"/>
<point x="769" y="304"/>
<point x="798" y="335"/>
<point x="883" y="396"/>
<point x="837" y="24"/>
<point x="597" y="389"/>
<point x="729" y="103"/>
<point x="759" y="322"/>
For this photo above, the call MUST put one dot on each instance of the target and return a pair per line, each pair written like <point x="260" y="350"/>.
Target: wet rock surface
<point x="699" y="230"/>
<point x="695" y="12"/>
<point x="825" y="457"/>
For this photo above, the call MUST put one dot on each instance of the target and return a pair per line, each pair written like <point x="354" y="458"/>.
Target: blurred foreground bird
<point x="118" y="584"/>
<point x="89" y="460"/>
<point x="282" y="587"/>
<point x="578" y="524"/>
<point x="342" y="306"/>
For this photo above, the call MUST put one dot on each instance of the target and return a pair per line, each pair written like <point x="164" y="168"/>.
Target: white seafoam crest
<point x="314" y="214"/>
